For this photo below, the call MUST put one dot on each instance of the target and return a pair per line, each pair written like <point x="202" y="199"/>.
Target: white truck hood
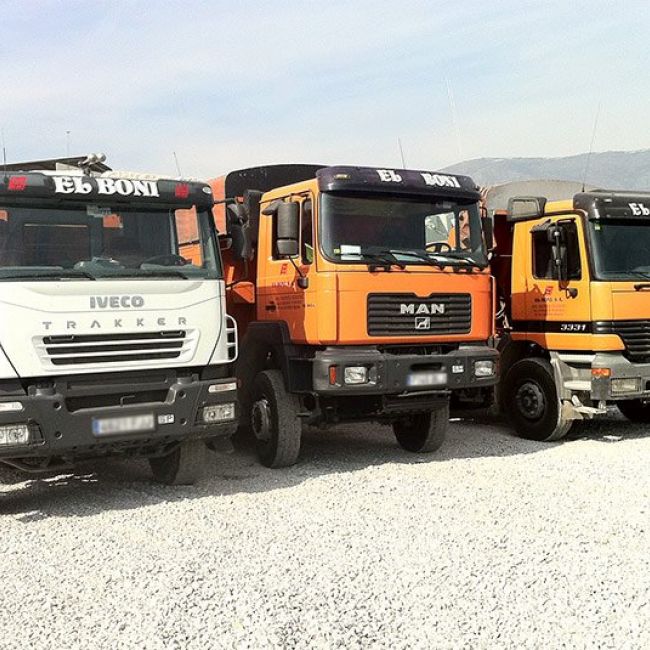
<point x="81" y="326"/>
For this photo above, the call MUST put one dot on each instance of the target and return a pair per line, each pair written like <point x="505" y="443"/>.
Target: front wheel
<point x="182" y="467"/>
<point x="274" y="420"/>
<point x="531" y="403"/>
<point x="424" y="432"/>
<point x="635" y="410"/>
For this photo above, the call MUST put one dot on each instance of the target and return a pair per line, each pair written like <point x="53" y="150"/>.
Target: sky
<point x="225" y="85"/>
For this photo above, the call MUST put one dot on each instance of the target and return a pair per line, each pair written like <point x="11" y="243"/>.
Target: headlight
<point x="626" y="385"/>
<point x="484" y="368"/>
<point x="355" y="375"/>
<point x="14" y="434"/>
<point x="218" y="413"/>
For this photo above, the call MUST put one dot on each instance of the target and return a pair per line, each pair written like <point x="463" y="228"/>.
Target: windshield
<point x="621" y="249"/>
<point x="410" y="231"/>
<point x="101" y="242"/>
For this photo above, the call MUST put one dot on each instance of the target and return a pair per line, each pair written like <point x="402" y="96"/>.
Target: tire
<point x="182" y="467"/>
<point x="424" y="432"/>
<point x="635" y="410"/>
<point x="530" y="401"/>
<point x="274" y="420"/>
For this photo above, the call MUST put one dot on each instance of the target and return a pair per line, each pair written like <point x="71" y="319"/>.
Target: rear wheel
<point x="424" y="432"/>
<point x="635" y="410"/>
<point x="274" y="420"/>
<point x="531" y="403"/>
<point x="182" y="467"/>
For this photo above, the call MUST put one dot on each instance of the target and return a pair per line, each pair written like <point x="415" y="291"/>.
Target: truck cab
<point x="360" y="293"/>
<point x="114" y="337"/>
<point x="574" y="281"/>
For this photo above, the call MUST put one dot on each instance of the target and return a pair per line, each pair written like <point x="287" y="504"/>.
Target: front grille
<point x="85" y="349"/>
<point x="635" y="335"/>
<point x="397" y="314"/>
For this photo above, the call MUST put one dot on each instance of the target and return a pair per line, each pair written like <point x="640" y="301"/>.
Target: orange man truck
<point x="361" y="294"/>
<point x="574" y="284"/>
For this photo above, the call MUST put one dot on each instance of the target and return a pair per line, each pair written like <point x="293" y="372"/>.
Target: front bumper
<point x="605" y="388"/>
<point x="393" y="374"/>
<point x="600" y="377"/>
<point x="62" y="416"/>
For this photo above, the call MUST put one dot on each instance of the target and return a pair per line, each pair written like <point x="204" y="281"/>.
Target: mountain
<point x="609" y="170"/>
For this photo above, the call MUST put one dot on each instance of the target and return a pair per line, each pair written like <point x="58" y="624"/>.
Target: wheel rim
<point x="261" y="419"/>
<point x="530" y="400"/>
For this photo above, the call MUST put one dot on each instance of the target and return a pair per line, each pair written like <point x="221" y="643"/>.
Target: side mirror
<point x="237" y="224"/>
<point x="557" y="238"/>
<point x="252" y="200"/>
<point x="288" y="228"/>
<point x="488" y="232"/>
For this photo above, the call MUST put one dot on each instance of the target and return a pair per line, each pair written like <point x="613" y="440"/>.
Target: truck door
<point x="555" y="305"/>
<point x="280" y="296"/>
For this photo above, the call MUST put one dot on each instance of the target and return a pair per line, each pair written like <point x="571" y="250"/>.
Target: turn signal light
<point x="332" y="373"/>
<point x="601" y="372"/>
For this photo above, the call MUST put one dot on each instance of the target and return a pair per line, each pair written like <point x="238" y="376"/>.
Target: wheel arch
<point x="266" y="345"/>
<point x="511" y="351"/>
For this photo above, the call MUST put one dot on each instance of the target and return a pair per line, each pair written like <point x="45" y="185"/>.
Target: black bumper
<point x="61" y="424"/>
<point x="393" y="374"/>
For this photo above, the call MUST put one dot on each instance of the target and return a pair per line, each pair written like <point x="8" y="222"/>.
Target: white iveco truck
<point x="113" y="333"/>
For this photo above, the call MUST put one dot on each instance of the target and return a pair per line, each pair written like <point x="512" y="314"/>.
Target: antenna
<point x="178" y="167"/>
<point x="591" y="147"/>
<point x="67" y="144"/>
<point x="4" y="151"/>
<point x="454" y="118"/>
<point x="401" y="151"/>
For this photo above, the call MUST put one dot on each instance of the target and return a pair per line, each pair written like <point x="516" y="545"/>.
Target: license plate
<point x="420" y="379"/>
<point x="125" y="424"/>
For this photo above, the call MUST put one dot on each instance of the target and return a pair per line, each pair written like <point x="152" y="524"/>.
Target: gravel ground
<point x="492" y="542"/>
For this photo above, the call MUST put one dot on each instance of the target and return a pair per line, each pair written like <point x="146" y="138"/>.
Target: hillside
<point x="610" y="169"/>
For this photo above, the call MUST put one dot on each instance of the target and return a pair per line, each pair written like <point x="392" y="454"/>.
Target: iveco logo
<point x="116" y="302"/>
<point x="423" y="308"/>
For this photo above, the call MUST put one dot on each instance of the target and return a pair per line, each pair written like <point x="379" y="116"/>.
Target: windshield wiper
<point x="432" y="259"/>
<point x="435" y="259"/>
<point x="57" y="275"/>
<point x="172" y="273"/>
<point x="382" y="260"/>
<point x="468" y="259"/>
<point x="78" y="273"/>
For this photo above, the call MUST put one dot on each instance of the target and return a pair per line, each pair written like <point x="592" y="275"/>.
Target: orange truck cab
<point x="360" y="294"/>
<point x="574" y="327"/>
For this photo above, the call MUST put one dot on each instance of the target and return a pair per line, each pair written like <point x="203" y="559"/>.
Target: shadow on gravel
<point x="612" y="428"/>
<point x="93" y="487"/>
<point x="602" y="428"/>
<point x="114" y="484"/>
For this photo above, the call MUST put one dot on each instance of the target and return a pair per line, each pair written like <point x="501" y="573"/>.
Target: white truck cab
<point x="114" y="338"/>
